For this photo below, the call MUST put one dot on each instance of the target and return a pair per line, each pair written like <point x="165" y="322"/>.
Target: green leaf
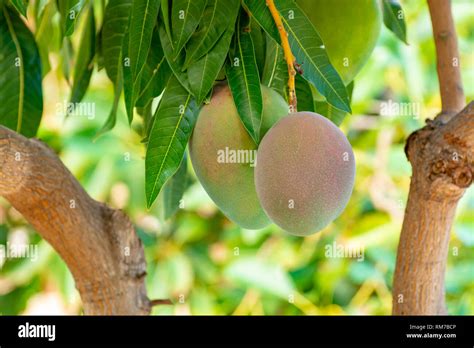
<point x="275" y="71"/>
<point x="46" y="29"/>
<point x="69" y="10"/>
<point x="334" y="114"/>
<point x="203" y="73"/>
<point x="165" y="9"/>
<point x="185" y="17"/>
<point x="20" y="5"/>
<point x="143" y="19"/>
<point x="128" y="85"/>
<point x="306" y="46"/>
<point x="112" y="118"/>
<point x="175" y="64"/>
<point x="304" y="94"/>
<point x="214" y="22"/>
<point x="174" y="189"/>
<point x="156" y="73"/>
<point x="394" y="19"/>
<point x="39" y="7"/>
<point x="116" y="19"/>
<point x="173" y="123"/>
<point x="21" y="96"/>
<point x="65" y="58"/>
<point x="260" y="12"/>
<point x="244" y="82"/>
<point x="84" y="59"/>
<point x="258" y="38"/>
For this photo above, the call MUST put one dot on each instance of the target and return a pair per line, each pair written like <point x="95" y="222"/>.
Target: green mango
<point x="218" y="141"/>
<point x="349" y="30"/>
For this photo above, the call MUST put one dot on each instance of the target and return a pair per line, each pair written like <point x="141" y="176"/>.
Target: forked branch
<point x="98" y="244"/>
<point x="441" y="155"/>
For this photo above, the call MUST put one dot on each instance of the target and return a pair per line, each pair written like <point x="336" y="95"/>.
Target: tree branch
<point x="441" y="155"/>
<point x="99" y="244"/>
<point x="448" y="65"/>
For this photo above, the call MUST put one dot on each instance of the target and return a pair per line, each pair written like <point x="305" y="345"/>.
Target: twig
<point x="160" y="302"/>
<point x="289" y="57"/>
<point x="447" y="53"/>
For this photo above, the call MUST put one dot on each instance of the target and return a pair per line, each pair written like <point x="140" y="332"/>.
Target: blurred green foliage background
<point x="206" y="264"/>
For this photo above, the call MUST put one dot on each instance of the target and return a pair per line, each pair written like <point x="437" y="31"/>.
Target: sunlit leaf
<point x="394" y="19"/>
<point x="46" y="35"/>
<point x="84" y="59"/>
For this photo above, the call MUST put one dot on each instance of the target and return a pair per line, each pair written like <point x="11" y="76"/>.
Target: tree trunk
<point x="442" y="158"/>
<point x="98" y="244"/>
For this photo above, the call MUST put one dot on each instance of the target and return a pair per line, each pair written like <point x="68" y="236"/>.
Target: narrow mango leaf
<point x="334" y="114"/>
<point x="203" y="73"/>
<point x="69" y="10"/>
<point x="258" y="38"/>
<point x="173" y="124"/>
<point x="142" y="21"/>
<point x="394" y="19"/>
<point x="156" y="73"/>
<point x="275" y="71"/>
<point x="307" y="47"/>
<point x="185" y="17"/>
<point x="176" y="65"/>
<point x="112" y="118"/>
<point x="304" y="94"/>
<point x="84" y="59"/>
<point x="20" y="76"/>
<point x="39" y="7"/>
<point x="116" y="21"/>
<point x="144" y="13"/>
<point x="244" y="82"/>
<point x="174" y="189"/>
<point x="165" y="9"/>
<point x="128" y="88"/>
<point x="44" y="33"/>
<point x="214" y="22"/>
<point x="20" y="5"/>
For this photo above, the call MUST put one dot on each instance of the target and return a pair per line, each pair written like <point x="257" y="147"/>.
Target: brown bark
<point x="98" y="244"/>
<point x="441" y="155"/>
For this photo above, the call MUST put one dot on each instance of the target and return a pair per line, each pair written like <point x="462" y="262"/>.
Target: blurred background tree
<point x="206" y="264"/>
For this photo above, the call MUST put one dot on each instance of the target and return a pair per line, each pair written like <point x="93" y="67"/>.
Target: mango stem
<point x="289" y="57"/>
